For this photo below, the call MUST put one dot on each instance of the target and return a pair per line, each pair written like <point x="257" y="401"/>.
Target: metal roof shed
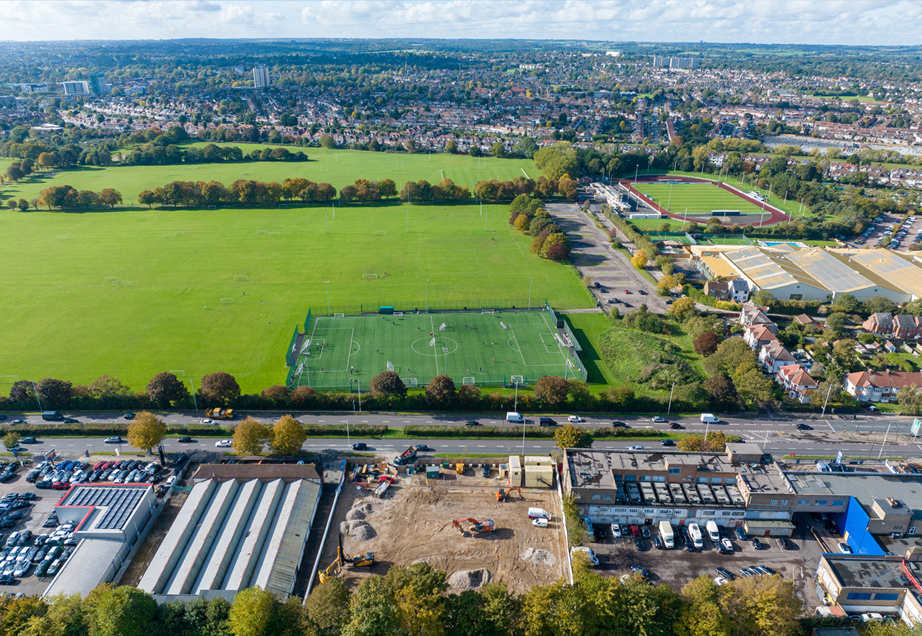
<point x="250" y="549"/>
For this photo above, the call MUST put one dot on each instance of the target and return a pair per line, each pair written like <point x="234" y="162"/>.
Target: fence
<point x="480" y="379"/>
<point x="573" y="350"/>
<point x="291" y="354"/>
<point x="421" y="307"/>
<point x="307" y="320"/>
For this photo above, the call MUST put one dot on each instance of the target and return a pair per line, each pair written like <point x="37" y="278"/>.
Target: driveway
<point x="593" y="256"/>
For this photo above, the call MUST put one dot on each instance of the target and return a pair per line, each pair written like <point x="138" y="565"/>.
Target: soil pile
<point x="468" y="580"/>
<point x="539" y="557"/>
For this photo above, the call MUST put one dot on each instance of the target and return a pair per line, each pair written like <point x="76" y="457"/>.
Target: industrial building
<point x="887" y="586"/>
<point x="109" y="520"/>
<point x="820" y="274"/>
<point x="246" y="525"/>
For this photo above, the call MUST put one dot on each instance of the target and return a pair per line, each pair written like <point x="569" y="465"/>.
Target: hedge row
<point x="700" y="297"/>
<point x="193" y="430"/>
<point x="356" y="430"/>
<point x="531" y="432"/>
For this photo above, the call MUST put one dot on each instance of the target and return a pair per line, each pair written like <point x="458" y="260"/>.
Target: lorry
<point x="713" y="532"/>
<point x="695" y="533"/>
<point x="666" y="534"/>
<point x="220" y="414"/>
<point x="709" y="418"/>
<point x="406" y="457"/>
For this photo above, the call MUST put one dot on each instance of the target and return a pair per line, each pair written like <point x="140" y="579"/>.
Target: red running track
<point x="773" y="214"/>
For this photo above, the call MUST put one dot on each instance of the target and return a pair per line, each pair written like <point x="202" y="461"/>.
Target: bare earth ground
<point x="414" y="523"/>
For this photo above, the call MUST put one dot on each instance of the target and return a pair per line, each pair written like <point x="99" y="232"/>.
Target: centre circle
<point x="440" y="342"/>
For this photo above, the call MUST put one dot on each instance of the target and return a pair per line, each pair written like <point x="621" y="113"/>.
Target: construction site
<point x="453" y="517"/>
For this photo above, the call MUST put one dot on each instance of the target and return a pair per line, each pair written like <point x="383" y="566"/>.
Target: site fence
<point x="481" y="379"/>
<point x="415" y="306"/>
<point x="573" y="349"/>
<point x="291" y="354"/>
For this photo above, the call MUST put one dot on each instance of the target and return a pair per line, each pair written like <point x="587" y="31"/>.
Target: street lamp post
<point x="194" y="401"/>
<point x="669" y="409"/>
<point x="35" y="391"/>
<point x="826" y="401"/>
<point x="883" y="443"/>
<point x="348" y="441"/>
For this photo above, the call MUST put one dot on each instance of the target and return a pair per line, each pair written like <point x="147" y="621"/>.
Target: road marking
<point x="408" y="421"/>
<point x="481" y="446"/>
<point x="428" y="421"/>
<point x="385" y="421"/>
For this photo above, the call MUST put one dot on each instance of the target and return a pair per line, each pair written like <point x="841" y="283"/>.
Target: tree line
<point x="527" y="215"/>
<point x="241" y="191"/>
<point x="415" y="600"/>
<point x="543" y="188"/>
<point x="69" y="198"/>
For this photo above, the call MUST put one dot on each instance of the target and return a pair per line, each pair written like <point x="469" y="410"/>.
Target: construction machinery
<point x="220" y="414"/>
<point x="406" y="457"/>
<point x="459" y="468"/>
<point x="476" y="527"/>
<point x="503" y="495"/>
<point x="360" y="561"/>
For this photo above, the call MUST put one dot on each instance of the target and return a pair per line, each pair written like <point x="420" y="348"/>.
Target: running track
<point x="773" y="216"/>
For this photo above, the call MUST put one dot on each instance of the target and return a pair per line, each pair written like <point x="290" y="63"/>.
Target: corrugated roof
<point x="87" y="567"/>
<point x="829" y="271"/>
<point x="900" y="270"/>
<point x="280" y="560"/>
<point x="249" y="550"/>
<point x="265" y="472"/>
<point x="769" y="271"/>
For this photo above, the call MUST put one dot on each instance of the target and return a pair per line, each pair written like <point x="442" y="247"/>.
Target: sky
<point x="850" y="22"/>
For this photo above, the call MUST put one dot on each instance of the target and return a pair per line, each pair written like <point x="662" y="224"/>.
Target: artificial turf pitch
<point x="347" y="352"/>
<point x="697" y="198"/>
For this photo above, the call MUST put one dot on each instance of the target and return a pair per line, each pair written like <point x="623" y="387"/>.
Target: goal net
<point x="390" y="365"/>
<point x="258" y="232"/>
<point x="410" y="382"/>
<point x="503" y="325"/>
<point x="339" y="315"/>
<point x="398" y="313"/>
<point x="241" y="277"/>
<point x="432" y="342"/>
<point x="518" y="379"/>
<point x="443" y="326"/>
<point x="227" y="301"/>
<point x="487" y="311"/>
<point x="560" y="340"/>
<point x="275" y="233"/>
<point x="444" y="349"/>
<point x="111" y="279"/>
<point x="370" y="276"/>
<point x="468" y="380"/>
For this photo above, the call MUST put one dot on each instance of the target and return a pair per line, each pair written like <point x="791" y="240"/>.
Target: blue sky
<point x="873" y="22"/>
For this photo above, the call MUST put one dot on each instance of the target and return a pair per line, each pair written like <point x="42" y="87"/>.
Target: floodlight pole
<point x="408" y="219"/>
<point x="669" y="201"/>
<point x="35" y="391"/>
<point x="669" y="408"/>
<point x="326" y="219"/>
<point x="329" y="310"/>
<point x="348" y="441"/>
<point x="358" y="384"/>
<point x="194" y="401"/>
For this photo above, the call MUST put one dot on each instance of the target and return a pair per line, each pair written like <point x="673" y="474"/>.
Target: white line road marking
<point x="428" y="421"/>
<point x="481" y="446"/>
<point x="408" y="421"/>
<point x="385" y="421"/>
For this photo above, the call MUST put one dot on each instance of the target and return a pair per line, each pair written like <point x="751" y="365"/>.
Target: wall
<point x="853" y="524"/>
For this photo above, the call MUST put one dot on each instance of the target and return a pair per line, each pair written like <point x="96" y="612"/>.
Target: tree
<point x="639" y="261"/>
<point x="165" y="388"/>
<point x="551" y="390"/>
<point x="148" y="198"/>
<point x="835" y="325"/>
<point x="702" y="614"/>
<point x="220" y="387"/>
<point x="751" y="384"/>
<point x="327" y="141"/>
<point x="571" y="436"/>
<point x="722" y="392"/>
<point x="665" y="284"/>
<point x="250" y="436"/>
<point x="146" y="431"/>
<point x="388" y="383"/>
<point x="730" y="355"/>
<point x="252" y="613"/>
<point x="521" y="223"/>
<point x="762" y="298"/>
<point x="11" y="440"/>
<point x="451" y="147"/>
<point x="706" y="344"/>
<point x="288" y="436"/>
<point x="910" y="400"/>
<point x="15" y="172"/>
<point x="441" y="390"/>
<point x="303" y="396"/>
<point x="54" y="393"/>
<point x="328" y="606"/>
<point x="110" y="197"/>
<point x="527" y="147"/>
<point x="878" y="304"/>
<point x="847" y="303"/>
<point x="372" y="611"/>
<point x="621" y="397"/>
<point x="124" y="611"/>
<point x="762" y="605"/>
<point x="716" y="442"/>
<point x="683" y="308"/>
<point x="23" y="205"/>
<point x="23" y="392"/>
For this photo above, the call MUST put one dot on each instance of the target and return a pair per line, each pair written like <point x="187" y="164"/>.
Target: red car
<point x="60" y="485"/>
<point x="635" y="531"/>
<point x="626" y="291"/>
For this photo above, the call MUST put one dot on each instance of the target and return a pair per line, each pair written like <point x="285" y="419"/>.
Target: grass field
<point x="65" y="317"/>
<point x="340" y="168"/>
<point x="696" y="198"/>
<point x="474" y="348"/>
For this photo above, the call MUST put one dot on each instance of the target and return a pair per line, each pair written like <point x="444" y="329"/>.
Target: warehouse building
<point x="770" y="270"/>
<point x="109" y="520"/>
<point x="835" y="274"/>
<point x="247" y="526"/>
<point x="902" y="270"/>
<point x="861" y="585"/>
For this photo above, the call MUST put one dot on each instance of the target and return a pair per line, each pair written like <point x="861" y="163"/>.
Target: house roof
<point x="797" y="374"/>
<point x="803" y="319"/>
<point x="777" y="351"/>
<point x="762" y="332"/>
<point x="884" y="379"/>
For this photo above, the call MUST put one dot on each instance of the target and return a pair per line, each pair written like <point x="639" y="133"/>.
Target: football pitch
<point x="472" y="348"/>
<point x="698" y="198"/>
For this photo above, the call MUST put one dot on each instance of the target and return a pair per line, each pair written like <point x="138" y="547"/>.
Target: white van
<point x="512" y="416"/>
<point x="538" y="513"/>
<point x="539" y="523"/>
<point x="709" y="418"/>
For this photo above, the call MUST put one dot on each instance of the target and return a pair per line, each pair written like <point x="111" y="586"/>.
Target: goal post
<point x="177" y="372"/>
<point x="443" y="326"/>
<point x="258" y="232"/>
<point x="111" y="279"/>
<point x="410" y="382"/>
<point x="227" y="301"/>
<point x="397" y="314"/>
<point x="390" y="365"/>
<point x="487" y="311"/>
<point x="517" y="379"/>
<point x="468" y="380"/>
<point x="275" y="233"/>
<point x="369" y="276"/>
<point x="339" y="315"/>
<point x="242" y="277"/>
<point x="380" y="233"/>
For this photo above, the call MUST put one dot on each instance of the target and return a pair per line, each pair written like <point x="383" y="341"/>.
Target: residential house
<point x="718" y="289"/>
<point x="880" y="386"/>
<point x="796" y="381"/>
<point x="803" y="320"/>
<point x="773" y="356"/>
<point x="739" y="290"/>
<point x="880" y="323"/>
<point x="904" y="327"/>
<point x="757" y="336"/>
<point x="754" y="315"/>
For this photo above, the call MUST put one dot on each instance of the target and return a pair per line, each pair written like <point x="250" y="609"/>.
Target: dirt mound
<point x="355" y="515"/>
<point x="539" y="557"/>
<point x="467" y="580"/>
<point x="361" y="506"/>
<point x="357" y="530"/>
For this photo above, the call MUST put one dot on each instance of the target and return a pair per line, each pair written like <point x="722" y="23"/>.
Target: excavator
<point x="503" y="495"/>
<point x="361" y="561"/>
<point x="477" y="527"/>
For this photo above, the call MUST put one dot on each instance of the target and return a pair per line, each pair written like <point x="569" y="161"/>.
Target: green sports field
<point x="124" y="293"/>
<point x="698" y="198"/>
<point x="337" y="167"/>
<point x="473" y="348"/>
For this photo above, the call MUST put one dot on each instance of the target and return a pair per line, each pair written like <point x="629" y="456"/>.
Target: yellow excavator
<point x="503" y="495"/>
<point x="361" y="561"/>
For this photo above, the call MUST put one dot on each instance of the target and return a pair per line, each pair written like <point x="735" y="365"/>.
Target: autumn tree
<point x="730" y="355"/>
<point x="762" y="605"/>
<point x="288" y="436"/>
<point x="683" y="308"/>
<point x="570" y="436"/>
<point x="751" y="384"/>
<point x="124" y="611"/>
<point x="441" y="390"/>
<point x="388" y="383"/>
<point x="706" y="343"/>
<point x="146" y="431"/>
<point x="551" y="390"/>
<point x="910" y="400"/>
<point x="327" y="606"/>
<point x="722" y="392"/>
<point x="54" y="393"/>
<point x="639" y="260"/>
<point x="220" y="387"/>
<point x="11" y="440"/>
<point x="252" y="613"/>
<point x="250" y="436"/>
<point x="701" y="614"/>
<point x="165" y="389"/>
<point x="277" y="394"/>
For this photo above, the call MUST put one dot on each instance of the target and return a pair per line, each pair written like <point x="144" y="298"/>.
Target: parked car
<point x="844" y="548"/>
<point x="756" y="544"/>
<point x="785" y="543"/>
<point x="740" y="534"/>
<point x="640" y="544"/>
<point x="725" y="546"/>
<point x="727" y="574"/>
<point x="616" y="530"/>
